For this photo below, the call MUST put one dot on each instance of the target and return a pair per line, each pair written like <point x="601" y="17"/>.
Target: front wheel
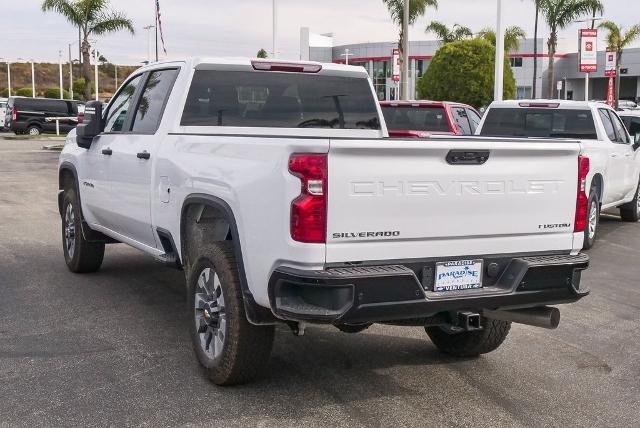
<point x="631" y="211"/>
<point x="80" y="255"/>
<point x="593" y="221"/>
<point x="470" y="343"/>
<point x="232" y="350"/>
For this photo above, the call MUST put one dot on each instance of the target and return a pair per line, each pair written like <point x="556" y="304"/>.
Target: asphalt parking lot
<point x="112" y="348"/>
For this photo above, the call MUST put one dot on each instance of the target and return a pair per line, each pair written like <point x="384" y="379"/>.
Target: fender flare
<point x="255" y="313"/>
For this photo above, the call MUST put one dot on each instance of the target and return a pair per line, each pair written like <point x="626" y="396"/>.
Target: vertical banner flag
<point x="610" y="64"/>
<point x="396" y="65"/>
<point x="588" y="51"/>
<point x="160" y="25"/>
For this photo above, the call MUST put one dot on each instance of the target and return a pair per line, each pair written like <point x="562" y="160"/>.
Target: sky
<point x="242" y="27"/>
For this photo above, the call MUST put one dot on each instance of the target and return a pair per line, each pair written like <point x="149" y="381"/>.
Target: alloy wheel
<point x="210" y="316"/>
<point x="70" y="230"/>
<point x="593" y="220"/>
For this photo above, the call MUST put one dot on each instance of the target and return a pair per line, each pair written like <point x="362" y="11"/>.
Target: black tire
<point x="34" y="130"/>
<point x="80" y="255"/>
<point x="631" y="211"/>
<point x="590" y="235"/>
<point x="243" y="352"/>
<point x="471" y="343"/>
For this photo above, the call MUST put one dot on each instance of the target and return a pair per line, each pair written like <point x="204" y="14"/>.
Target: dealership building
<point x="376" y="58"/>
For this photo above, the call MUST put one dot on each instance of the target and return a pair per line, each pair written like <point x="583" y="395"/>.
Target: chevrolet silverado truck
<point x="275" y="187"/>
<point x="613" y="181"/>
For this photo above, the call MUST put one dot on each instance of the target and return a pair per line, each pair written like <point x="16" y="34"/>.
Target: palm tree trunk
<point x="401" y="51"/>
<point x="86" y="68"/>
<point x="535" y="53"/>
<point x="552" y="53"/>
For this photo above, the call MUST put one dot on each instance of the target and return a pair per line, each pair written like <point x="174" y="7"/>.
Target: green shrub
<point x="24" y="92"/>
<point x="463" y="71"/>
<point x="55" y="93"/>
<point x="4" y="93"/>
<point x="78" y="88"/>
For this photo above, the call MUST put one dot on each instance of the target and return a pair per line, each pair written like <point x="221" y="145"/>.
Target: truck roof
<point x="213" y="62"/>
<point x="560" y="104"/>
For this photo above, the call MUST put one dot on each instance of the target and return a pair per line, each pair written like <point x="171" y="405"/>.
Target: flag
<point x="159" y="22"/>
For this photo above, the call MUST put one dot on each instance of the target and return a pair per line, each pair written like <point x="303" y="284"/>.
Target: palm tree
<point x="417" y="8"/>
<point x="446" y="34"/>
<point x="512" y="36"/>
<point x="618" y="41"/>
<point x="559" y="14"/>
<point x="93" y="18"/>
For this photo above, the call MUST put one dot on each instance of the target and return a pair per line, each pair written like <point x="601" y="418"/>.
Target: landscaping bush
<point x="55" y="93"/>
<point x="463" y="71"/>
<point x="24" y="92"/>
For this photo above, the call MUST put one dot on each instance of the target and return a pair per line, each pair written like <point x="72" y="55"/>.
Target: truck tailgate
<point x="401" y="199"/>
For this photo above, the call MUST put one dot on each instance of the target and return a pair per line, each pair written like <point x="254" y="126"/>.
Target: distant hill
<point x="47" y="76"/>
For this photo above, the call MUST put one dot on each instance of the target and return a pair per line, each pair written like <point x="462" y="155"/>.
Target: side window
<point x="634" y="127"/>
<point x="474" y="118"/>
<point x="608" y="126"/>
<point x="460" y="116"/>
<point x="621" y="132"/>
<point x="152" y="102"/>
<point x="120" y="105"/>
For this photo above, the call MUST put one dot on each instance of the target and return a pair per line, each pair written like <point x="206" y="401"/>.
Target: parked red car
<point x="419" y="119"/>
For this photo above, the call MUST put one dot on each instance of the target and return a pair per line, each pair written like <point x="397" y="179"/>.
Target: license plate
<point x="458" y="275"/>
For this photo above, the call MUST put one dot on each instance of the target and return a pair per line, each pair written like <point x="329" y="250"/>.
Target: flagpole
<point x="156" y="7"/>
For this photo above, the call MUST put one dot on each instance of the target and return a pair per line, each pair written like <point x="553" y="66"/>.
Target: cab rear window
<point x="540" y="123"/>
<point x="279" y="100"/>
<point x="400" y="118"/>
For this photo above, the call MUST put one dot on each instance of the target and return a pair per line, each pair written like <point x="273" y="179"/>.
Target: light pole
<point x="275" y="28"/>
<point x="60" y="67"/>
<point x="499" y="70"/>
<point x="95" y="58"/>
<point x="33" y="79"/>
<point x="404" y="71"/>
<point x="71" y="69"/>
<point x="148" y="28"/>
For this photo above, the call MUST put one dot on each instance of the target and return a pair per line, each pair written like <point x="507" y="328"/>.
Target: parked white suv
<point x="274" y="186"/>
<point x="614" y="162"/>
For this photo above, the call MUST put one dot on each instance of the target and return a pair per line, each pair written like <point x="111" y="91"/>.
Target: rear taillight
<point x="582" y="202"/>
<point x="309" y="210"/>
<point x="14" y="115"/>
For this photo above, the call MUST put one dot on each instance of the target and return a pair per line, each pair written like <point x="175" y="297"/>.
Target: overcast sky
<point x="242" y="27"/>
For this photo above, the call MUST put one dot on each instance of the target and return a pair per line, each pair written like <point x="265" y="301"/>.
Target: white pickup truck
<point x="274" y="186"/>
<point x="614" y="163"/>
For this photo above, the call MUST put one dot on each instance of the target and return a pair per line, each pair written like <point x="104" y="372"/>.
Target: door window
<point x="474" y="119"/>
<point x="621" y="132"/>
<point x="152" y="102"/>
<point x="608" y="126"/>
<point x="117" y="112"/>
<point x="460" y="116"/>
<point x="633" y="125"/>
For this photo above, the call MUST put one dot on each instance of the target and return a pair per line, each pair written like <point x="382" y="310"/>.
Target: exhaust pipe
<point x="542" y="316"/>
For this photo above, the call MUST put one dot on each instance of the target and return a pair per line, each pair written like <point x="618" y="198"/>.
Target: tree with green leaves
<point x="463" y="71"/>
<point x="512" y="37"/>
<point x="261" y="54"/>
<point x="534" y="87"/>
<point x="93" y="18"/>
<point x="448" y="35"/>
<point x="618" y="40"/>
<point x="417" y="8"/>
<point x="559" y="14"/>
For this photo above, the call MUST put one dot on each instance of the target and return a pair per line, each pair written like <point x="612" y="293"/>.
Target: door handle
<point x="107" y="151"/>
<point x="144" y="155"/>
<point x="627" y="155"/>
<point x="614" y="155"/>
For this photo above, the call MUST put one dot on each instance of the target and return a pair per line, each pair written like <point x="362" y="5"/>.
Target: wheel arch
<point x="597" y="183"/>
<point x="220" y="215"/>
<point x="67" y="176"/>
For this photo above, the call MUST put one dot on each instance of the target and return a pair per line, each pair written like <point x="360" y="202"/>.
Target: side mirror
<point x="91" y="125"/>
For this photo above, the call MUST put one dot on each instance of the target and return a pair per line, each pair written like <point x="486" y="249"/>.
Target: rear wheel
<point x="470" y="343"/>
<point x="80" y="255"/>
<point x="232" y="350"/>
<point x="34" y="130"/>
<point x="631" y="211"/>
<point x="593" y="220"/>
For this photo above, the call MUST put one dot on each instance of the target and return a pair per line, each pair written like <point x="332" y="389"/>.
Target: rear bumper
<point x="403" y="291"/>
